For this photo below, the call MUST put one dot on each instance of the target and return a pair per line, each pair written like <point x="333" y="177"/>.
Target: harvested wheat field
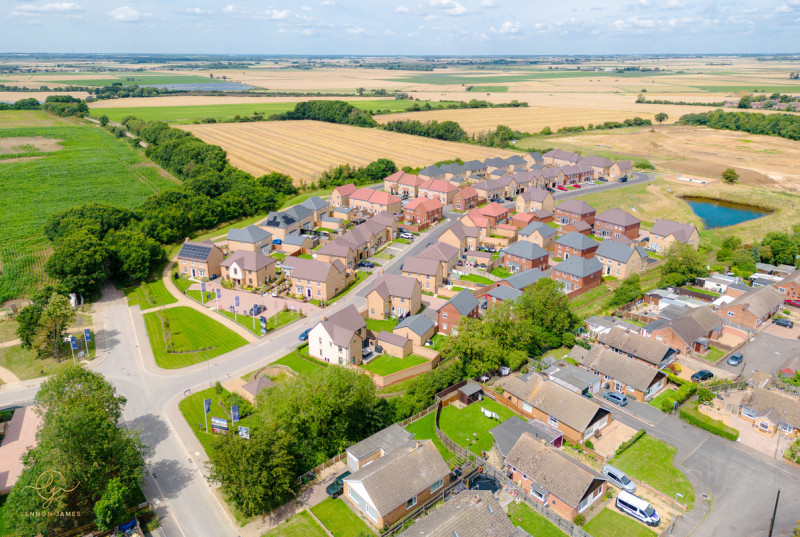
<point x="304" y="149"/>
<point x="212" y="100"/>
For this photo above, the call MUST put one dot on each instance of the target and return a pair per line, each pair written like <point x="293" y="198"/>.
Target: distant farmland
<point x="304" y="149"/>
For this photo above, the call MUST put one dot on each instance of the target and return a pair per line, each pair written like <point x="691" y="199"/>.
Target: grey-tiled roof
<point x="388" y="439"/>
<point x="580" y="226"/>
<point x="535" y="194"/>
<point x="579" y="267"/>
<point x="578" y="241"/>
<point x="617" y="217"/>
<point x="664" y="228"/>
<point x="249" y="235"/>
<point x="569" y="375"/>
<point x="766" y="267"/>
<point x="516" y="160"/>
<point x="332" y="219"/>
<point x="507" y="433"/>
<point x="616" y="251"/>
<point x="387" y="285"/>
<point x="568" y="407"/>
<point x="784" y="269"/>
<point x="279" y="220"/>
<point x="474" y="165"/>
<point x="537" y="157"/>
<point x="609" y="322"/>
<point x="636" y="345"/>
<point x="299" y="212"/>
<point x="561" y="475"/>
<point x="392" y="339"/>
<point x="343" y="324"/>
<point x="526" y="250"/>
<point x="254" y="387"/>
<point x="625" y="165"/>
<point x="576" y="207"/>
<point x="761" y="302"/>
<point x="594" y="160"/>
<point x="544" y="230"/>
<point x="560" y="154"/>
<point x="523" y="279"/>
<point x="294" y="239"/>
<point x="315" y="203"/>
<point x="464" y="302"/>
<point x="461" y="231"/>
<point x="440" y="251"/>
<point x="419" y="324"/>
<point x="472" y="514"/>
<point x="420" y="265"/>
<point x="763" y="401"/>
<point x="615" y="365"/>
<point x="248" y="260"/>
<point x="402" y="474"/>
<point x="504" y="293"/>
<point x="523" y="178"/>
<point x="693" y="324"/>
<point x="310" y="269"/>
<point x="497" y="162"/>
<point x="197" y="251"/>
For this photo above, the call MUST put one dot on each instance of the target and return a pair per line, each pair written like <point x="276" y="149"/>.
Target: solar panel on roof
<point x="194" y="251"/>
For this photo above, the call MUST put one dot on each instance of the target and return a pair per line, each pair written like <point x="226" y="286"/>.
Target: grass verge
<point x="529" y="520"/>
<point x="386" y="365"/>
<point x="609" y="523"/>
<point x="192" y="409"/>
<point x="340" y="520"/>
<point x="148" y="295"/>
<point x="300" y="525"/>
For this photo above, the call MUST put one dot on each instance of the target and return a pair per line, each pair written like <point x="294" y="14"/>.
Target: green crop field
<point x="129" y="79"/>
<point x="91" y="165"/>
<point x="193" y="336"/>
<point x="226" y="112"/>
<point x="471" y="78"/>
<point x="489" y="89"/>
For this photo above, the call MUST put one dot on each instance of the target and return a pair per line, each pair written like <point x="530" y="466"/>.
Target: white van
<point x="619" y="478"/>
<point x="638" y="508"/>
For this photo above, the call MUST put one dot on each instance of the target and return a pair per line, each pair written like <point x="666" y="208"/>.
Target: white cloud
<point x="307" y="31"/>
<point x="275" y="14"/>
<point x="402" y="9"/>
<point x="125" y="14"/>
<point x="451" y="7"/>
<point x="509" y="27"/>
<point x="388" y="32"/>
<point x="488" y="3"/>
<point x="327" y="3"/>
<point x="25" y="10"/>
<point x="305" y="8"/>
<point x="359" y="31"/>
<point x="199" y="11"/>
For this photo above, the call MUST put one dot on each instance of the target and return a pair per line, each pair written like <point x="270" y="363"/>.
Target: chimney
<point x="380" y="271"/>
<point x="186" y="239"/>
<point x="322" y="318"/>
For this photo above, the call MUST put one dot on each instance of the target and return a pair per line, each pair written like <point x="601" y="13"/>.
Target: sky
<point x="401" y="27"/>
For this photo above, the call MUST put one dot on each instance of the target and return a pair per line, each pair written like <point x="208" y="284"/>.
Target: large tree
<point x="56" y="317"/>
<point x="545" y="307"/>
<point x="133" y="254"/>
<point x="630" y="289"/>
<point x="29" y="318"/>
<point x="79" y="262"/>
<point x="682" y="263"/>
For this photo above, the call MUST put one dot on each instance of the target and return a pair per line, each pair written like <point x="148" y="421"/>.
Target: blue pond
<point x="716" y="213"/>
<point x="211" y="86"/>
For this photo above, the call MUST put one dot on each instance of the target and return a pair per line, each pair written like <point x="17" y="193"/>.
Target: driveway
<point x="247" y="300"/>
<point x="766" y="353"/>
<point x="781" y="332"/>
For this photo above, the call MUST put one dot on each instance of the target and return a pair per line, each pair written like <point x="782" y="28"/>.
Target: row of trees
<point x="444" y="130"/>
<point x="329" y="111"/>
<point x="641" y="99"/>
<point x="783" y="125"/>
<point x="776" y="248"/>
<point x="374" y="172"/>
<point x="83" y="462"/>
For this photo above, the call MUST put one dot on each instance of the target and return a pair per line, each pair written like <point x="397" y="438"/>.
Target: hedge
<point x="625" y="445"/>
<point x="691" y="414"/>
<point x="678" y="396"/>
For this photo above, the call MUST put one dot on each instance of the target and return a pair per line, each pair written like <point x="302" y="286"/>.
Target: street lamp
<point x="674" y="506"/>
<point x="777" y="360"/>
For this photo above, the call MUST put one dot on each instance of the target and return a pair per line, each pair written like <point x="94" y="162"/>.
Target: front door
<point x="194" y="273"/>
<point x="308" y="292"/>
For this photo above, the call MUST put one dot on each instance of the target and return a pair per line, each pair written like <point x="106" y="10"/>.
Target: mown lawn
<point x="298" y="364"/>
<point x="182" y="284"/>
<point x="377" y="325"/>
<point x="360" y="277"/>
<point x="651" y="461"/>
<point x="501" y="272"/>
<point x="423" y="429"/>
<point x="149" y="295"/>
<point x="469" y="428"/>
<point x="529" y="520"/>
<point x="609" y="523"/>
<point x="714" y="354"/>
<point x="300" y="525"/>
<point x="340" y="520"/>
<point x="278" y="320"/>
<point x="8" y="330"/>
<point x="25" y="365"/>
<point x="386" y="365"/>
<point x="193" y="412"/>
<point x="194" y="337"/>
<point x="474" y="278"/>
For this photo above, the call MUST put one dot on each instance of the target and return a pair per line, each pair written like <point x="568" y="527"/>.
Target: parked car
<point x="619" y="478"/>
<point x="335" y="489"/>
<point x="277" y="242"/>
<point x="637" y="508"/>
<point x="367" y="264"/>
<point x="786" y="323"/>
<point x="509" y="198"/>
<point x="576" y="185"/>
<point x="623" y="179"/>
<point x="407" y="236"/>
<point x="795" y="303"/>
<point x="735" y="359"/>
<point x="591" y="182"/>
<point x="703" y="374"/>
<point x="617" y="398"/>
<point x="602" y="179"/>
<point x="255" y="310"/>
<point x="304" y="335"/>
<point x="562" y="187"/>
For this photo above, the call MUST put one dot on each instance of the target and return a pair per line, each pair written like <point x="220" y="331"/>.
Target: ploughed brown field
<point x="304" y="149"/>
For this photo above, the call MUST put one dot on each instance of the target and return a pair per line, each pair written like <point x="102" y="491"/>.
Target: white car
<point x="407" y="236"/>
<point x="591" y="182"/>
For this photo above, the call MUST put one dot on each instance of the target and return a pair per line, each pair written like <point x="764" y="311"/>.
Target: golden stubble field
<point x="304" y="149"/>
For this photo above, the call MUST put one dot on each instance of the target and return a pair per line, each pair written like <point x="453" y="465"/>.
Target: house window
<point x="444" y="327"/>
<point x="411" y="503"/>
<point x="630" y="389"/>
<point x="536" y="494"/>
<point x="436" y="486"/>
<point x="372" y="311"/>
<point x="552" y="421"/>
<point x="444" y="315"/>
<point x="730" y="314"/>
<point x="763" y="425"/>
<point x="202" y="273"/>
<point x="527" y="407"/>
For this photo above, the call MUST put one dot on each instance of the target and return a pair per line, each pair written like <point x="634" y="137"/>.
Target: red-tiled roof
<point x="493" y="209"/>
<point x="345" y="190"/>
<point x="428" y="204"/>
<point x="438" y="185"/>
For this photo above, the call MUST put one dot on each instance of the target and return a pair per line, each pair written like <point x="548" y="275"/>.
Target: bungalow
<point x="574" y="210"/>
<point x="376" y="446"/>
<point x="754" y="308"/>
<point x="315" y="279"/>
<point x="620" y="169"/>
<point x="621" y="374"/>
<point x="427" y="271"/>
<point x="615" y="223"/>
<point x="577" y="417"/>
<point x="340" y="197"/>
<point x="465" y="199"/>
<point x="554" y="479"/>
<point x="444" y="253"/>
<point x="666" y="232"/>
<point x="601" y="325"/>
<point x="464" y="304"/>
<point x="248" y="268"/>
<point x="508" y="432"/>
<point x="398" y="483"/>
<point x="621" y="261"/>
<point x="339" y="338"/>
<point x="476" y="513"/>
<point x="535" y="199"/>
<point x="249" y="239"/>
<point x="423" y="212"/>
<point x="558" y="157"/>
<point x="374" y="201"/>
<point x="444" y="191"/>
<point x="578" y="274"/>
<point x="200" y="259"/>
<point x="641" y="348"/>
<point x="524" y="255"/>
<point x="690" y="331"/>
<point x="575" y="244"/>
<point x="500" y="294"/>
<point x="462" y="237"/>
<point x="790" y="286"/>
<point x="771" y="410"/>
<point x="393" y="296"/>
<point x="573" y="378"/>
<point x="600" y="166"/>
<point x="418" y="328"/>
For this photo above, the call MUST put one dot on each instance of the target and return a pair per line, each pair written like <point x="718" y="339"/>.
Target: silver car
<point x="619" y="478"/>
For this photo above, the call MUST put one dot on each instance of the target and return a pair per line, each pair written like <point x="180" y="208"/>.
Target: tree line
<point x="641" y="99"/>
<point x="328" y="111"/>
<point x="783" y="125"/>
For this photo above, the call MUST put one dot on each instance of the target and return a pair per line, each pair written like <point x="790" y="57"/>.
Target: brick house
<point x="500" y="294"/>
<point x="790" y="286"/>
<point x="248" y="268"/>
<point x="543" y="215"/>
<point x="577" y="417"/>
<point x="666" y="232"/>
<point x="535" y="199"/>
<point x="524" y="255"/>
<point x="577" y="227"/>
<point x="439" y="189"/>
<point x="552" y="478"/>
<point x="578" y="274"/>
<point x="520" y="220"/>
<point x="574" y="211"/>
<point x="622" y="168"/>
<point x="376" y="446"/>
<point x="600" y="166"/>
<point x="393" y="296"/>
<point x="621" y="261"/>
<point x="374" y="201"/>
<point x="428" y="272"/>
<point x="559" y="157"/>
<point x="250" y="239"/>
<point x="465" y="199"/>
<point x="418" y="328"/>
<point x="423" y="212"/>
<point x="638" y="347"/>
<point x="494" y="212"/>
<point x="339" y="338"/>
<point x="401" y="183"/>
<point x="200" y="259"/>
<point x="615" y="223"/>
<point x="464" y="304"/>
<point x="444" y="253"/>
<point x="771" y="411"/>
<point x="462" y="237"/>
<point x="621" y="374"/>
<point x="341" y="195"/>
<point x="315" y="279"/>
<point x="474" y="514"/>
<point x="754" y="308"/>
<point x="575" y="244"/>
